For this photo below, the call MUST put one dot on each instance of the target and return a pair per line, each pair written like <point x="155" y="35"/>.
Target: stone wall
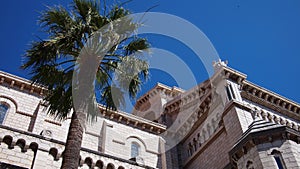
<point x="289" y="150"/>
<point x="30" y="137"/>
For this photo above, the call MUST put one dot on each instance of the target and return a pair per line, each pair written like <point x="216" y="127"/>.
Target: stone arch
<point x="9" y="99"/>
<point x="8" y="140"/>
<point x="22" y="144"/>
<point x="54" y="152"/>
<point x="110" y="166"/>
<point x="34" y="146"/>
<point x="139" y="139"/>
<point x="99" y="164"/>
<point x="10" y="106"/>
<point x="88" y="161"/>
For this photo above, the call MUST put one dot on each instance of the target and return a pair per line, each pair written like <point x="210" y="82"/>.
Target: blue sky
<point x="258" y="38"/>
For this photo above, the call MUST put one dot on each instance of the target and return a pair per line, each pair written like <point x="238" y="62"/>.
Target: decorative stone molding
<point x="251" y="139"/>
<point x="158" y="89"/>
<point x="21" y="84"/>
<point x="132" y="120"/>
<point x="189" y="98"/>
<point x="270" y="100"/>
<point x="260" y="95"/>
<point x="203" y="145"/>
<point x="25" y="140"/>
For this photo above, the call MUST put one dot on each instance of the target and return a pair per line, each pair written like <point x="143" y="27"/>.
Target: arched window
<point x="135" y="149"/>
<point x="3" y="111"/>
<point x="279" y="160"/>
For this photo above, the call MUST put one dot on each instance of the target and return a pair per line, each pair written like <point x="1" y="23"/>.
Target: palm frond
<point x="52" y="61"/>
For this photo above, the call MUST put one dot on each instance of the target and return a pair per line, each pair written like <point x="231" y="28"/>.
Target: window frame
<point x="278" y="159"/>
<point x="135" y="149"/>
<point x="5" y="107"/>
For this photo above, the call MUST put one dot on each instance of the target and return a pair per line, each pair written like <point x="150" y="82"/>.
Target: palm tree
<point x="53" y="62"/>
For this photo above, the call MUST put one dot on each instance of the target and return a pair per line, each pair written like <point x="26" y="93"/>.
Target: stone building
<point x="225" y="122"/>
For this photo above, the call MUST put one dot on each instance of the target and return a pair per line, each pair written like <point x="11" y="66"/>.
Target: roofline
<point x="21" y="83"/>
<point x="262" y="96"/>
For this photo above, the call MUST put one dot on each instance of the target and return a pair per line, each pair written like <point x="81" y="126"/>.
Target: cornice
<point x="190" y="97"/>
<point x="132" y="120"/>
<point x="233" y="74"/>
<point x="262" y="96"/>
<point x="22" y="84"/>
<point x="266" y="136"/>
<point x="270" y="100"/>
<point x="159" y="88"/>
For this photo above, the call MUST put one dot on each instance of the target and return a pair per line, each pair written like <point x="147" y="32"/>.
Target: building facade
<point x="225" y="122"/>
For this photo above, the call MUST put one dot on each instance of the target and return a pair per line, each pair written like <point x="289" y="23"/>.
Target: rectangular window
<point x="278" y="158"/>
<point x="230" y="93"/>
<point x="3" y="111"/>
<point x="279" y="162"/>
<point x="135" y="150"/>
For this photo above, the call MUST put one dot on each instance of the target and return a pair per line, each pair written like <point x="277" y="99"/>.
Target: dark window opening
<point x="279" y="160"/>
<point x="230" y="93"/>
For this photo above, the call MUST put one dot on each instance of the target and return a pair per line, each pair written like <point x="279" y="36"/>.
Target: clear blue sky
<point x="258" y="38"/>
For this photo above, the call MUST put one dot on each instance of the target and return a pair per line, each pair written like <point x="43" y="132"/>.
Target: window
<point x="230" y="93"/>
<point x="135" y="149"/>
<point x="3" y="111"/>
<point x="279" y="160"/>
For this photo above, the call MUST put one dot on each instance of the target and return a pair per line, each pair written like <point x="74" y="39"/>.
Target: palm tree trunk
<point x="71" y="155"/>
<point x="82" y="99"/>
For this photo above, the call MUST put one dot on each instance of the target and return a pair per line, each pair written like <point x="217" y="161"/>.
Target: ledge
<point x="63" y="143"/>
<point x="22" y="84"/>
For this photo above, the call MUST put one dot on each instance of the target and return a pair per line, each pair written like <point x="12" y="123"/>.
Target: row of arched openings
<point x="8" y="140"/>
<point x="99" y="164"/>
